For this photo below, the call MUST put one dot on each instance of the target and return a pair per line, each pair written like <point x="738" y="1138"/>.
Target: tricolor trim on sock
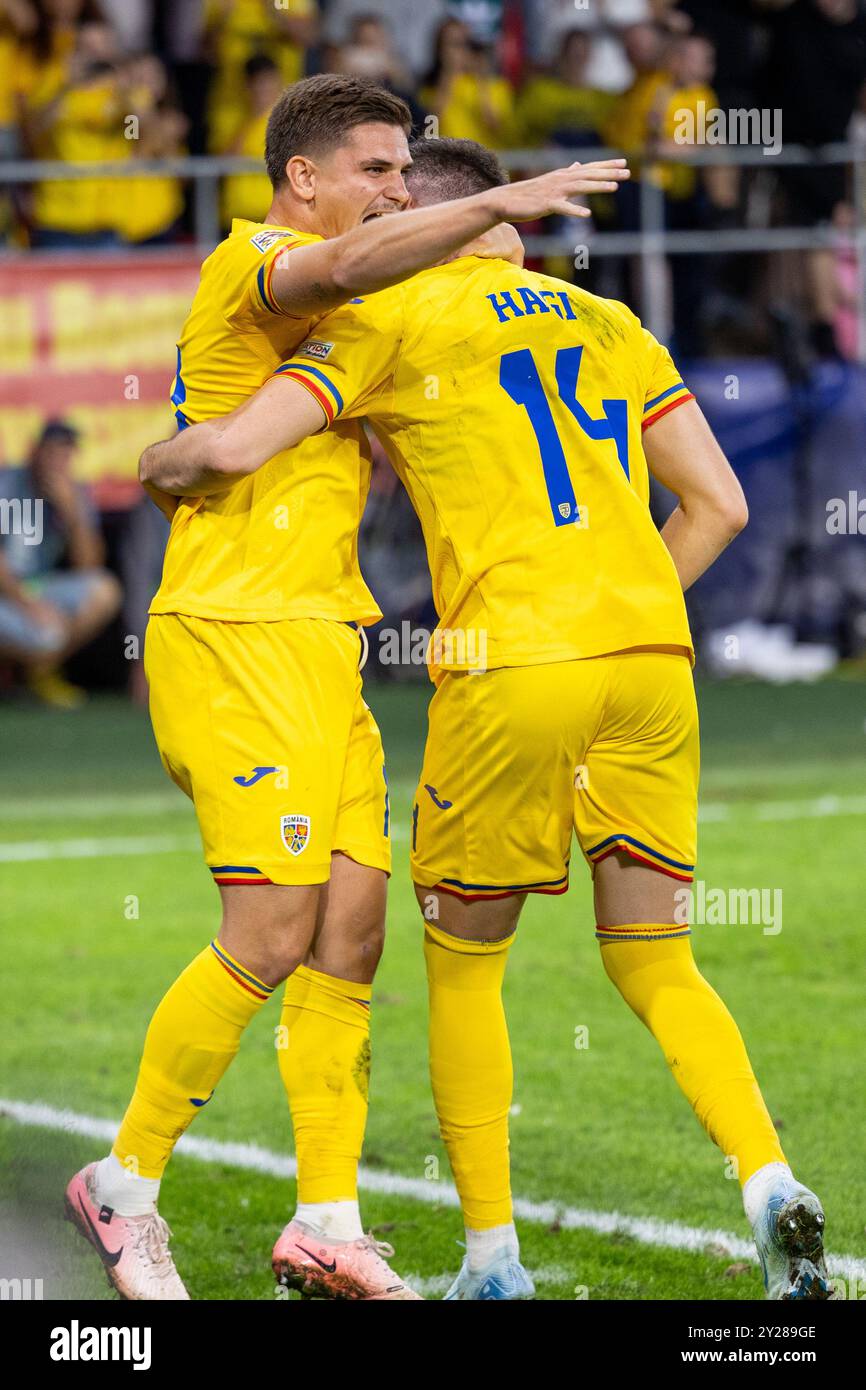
<point x="245" y="978"/>
<point x="639" y="932"/>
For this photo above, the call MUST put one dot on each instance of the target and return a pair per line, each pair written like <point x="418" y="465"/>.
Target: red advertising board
<point x="93" y="341"/>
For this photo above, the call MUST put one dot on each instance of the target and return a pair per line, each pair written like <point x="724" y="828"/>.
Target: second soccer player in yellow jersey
<point x="524" y="417"/>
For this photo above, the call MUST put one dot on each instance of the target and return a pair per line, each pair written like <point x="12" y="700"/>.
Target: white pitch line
<point x="647" y="1230"/>
<point x="27" y="851"/>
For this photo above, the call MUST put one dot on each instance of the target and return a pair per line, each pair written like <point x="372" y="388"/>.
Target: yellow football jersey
<point x="511" y="405"/>
<point x="281" y="543"/>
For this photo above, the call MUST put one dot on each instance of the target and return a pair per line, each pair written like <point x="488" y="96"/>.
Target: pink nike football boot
<point x="133" y="1249"/>
<point x="322" y="1268"/>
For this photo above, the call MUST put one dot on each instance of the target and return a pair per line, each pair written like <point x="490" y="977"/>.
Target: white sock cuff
<point x="757" y="1188"/>
<point x="121" y="1190"/>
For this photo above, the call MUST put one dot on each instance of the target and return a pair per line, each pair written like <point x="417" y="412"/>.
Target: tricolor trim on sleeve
<point x="668" y="400"/>
<point x="318" y="385"/>
<point x="263" y="280"/>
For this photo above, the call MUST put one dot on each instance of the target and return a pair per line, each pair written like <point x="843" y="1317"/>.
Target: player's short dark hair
<point x="314" y="115"/>
<point x="446" y="169"/>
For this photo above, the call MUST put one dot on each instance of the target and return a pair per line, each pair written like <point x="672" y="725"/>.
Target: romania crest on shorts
<point x="295" y="833"/>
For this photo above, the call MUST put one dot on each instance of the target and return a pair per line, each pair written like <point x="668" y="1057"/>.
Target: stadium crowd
<point x="200" y="76"/>
<point x="85" y="81"/>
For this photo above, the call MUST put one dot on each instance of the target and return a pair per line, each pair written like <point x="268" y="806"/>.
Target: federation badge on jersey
<point x="295" y="833"/>
<point x="263" y="240"/>
<point x="316" y="349"/>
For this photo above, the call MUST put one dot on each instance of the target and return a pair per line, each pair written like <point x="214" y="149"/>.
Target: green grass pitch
<point x="601" y="1128"/>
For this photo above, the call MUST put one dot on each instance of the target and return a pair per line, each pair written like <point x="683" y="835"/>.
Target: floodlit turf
<point x="601" y="1127"/>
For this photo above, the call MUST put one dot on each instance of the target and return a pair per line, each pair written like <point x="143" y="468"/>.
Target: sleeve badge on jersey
<point x="315" y="348"/>
<point x="295" y="833"/>
<point x="263" y="240"/>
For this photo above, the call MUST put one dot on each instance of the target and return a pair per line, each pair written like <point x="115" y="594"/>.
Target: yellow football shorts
<point x="264" y="726"/>
<point x="518" y="758"/>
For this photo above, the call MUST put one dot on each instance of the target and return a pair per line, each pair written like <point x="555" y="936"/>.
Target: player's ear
<point x="301" y="176"/>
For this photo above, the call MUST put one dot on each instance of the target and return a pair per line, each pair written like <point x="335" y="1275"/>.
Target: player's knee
<point x="269" y="930"/>
<point x="489" y="920"/>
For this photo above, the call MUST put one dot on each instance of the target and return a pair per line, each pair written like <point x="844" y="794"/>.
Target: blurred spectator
<point x="836" y="284"/>
<point x="48" y="612"/>
<point x="736" y="35"/>
<point x="370" y="51"/>
<point x="414" y="26"/>
<point x="462" y="89"/>
<point x="603" y="20"/>
<point x="150" y="207"/>
<point x="691" y="65"/>
<point x="815" y="72"/>
<point x="560" y="108"/>
<point x="687" y="91"/>
<point x="628" y="125"/>
<point x="17" y="23"/>
<point x="483" y="18"/>
<point x="78" y="123"/>
<point x="237" y="30"/>
<point x="44" y="58"/>
<point x="249" y="195"/>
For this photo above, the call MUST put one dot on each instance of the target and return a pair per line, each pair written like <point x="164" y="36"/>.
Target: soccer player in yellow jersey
<point x="562" y="661"/>
<point x="252" y="657"/>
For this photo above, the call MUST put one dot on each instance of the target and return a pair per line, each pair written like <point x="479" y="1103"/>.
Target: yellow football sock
<point x="325" y="1065"/>
<point x="658" y="978"/>
<point x="470" y="1069"/>
<point x="192" y="1038"/>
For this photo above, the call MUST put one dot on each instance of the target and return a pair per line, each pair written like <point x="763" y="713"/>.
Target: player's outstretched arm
<point x="207" y="458"/>
<point x="310" y="280"/>
<point x="683" y="454"/>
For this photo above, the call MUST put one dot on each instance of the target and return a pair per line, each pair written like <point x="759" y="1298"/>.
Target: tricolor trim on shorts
<point x="486" y="892"/>
<point x="668" y="400"/>
<point x="636" y="932"/>
<point x="317" y="384"/>
<point x="263" y="281"/>
<point x="227" y="874"/>
<point x="645" y="853"/>
<point x="245" y="978"/>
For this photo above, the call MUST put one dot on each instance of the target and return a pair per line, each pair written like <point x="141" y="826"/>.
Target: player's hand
<point x="551" y="193"/>
<point x="501" y="243"/>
